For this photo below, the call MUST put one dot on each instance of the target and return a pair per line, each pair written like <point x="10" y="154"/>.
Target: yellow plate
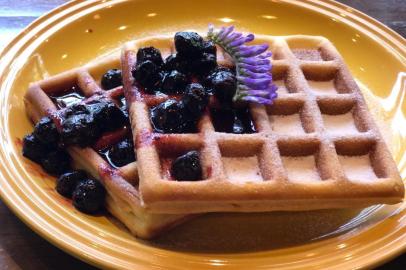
<point x="82" y="30"/>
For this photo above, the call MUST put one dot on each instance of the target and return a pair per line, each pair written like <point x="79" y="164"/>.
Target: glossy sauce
<point x="69" y="97"/>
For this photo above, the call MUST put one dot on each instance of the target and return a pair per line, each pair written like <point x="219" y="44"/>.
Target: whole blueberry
<point x="68" y="181"/>
<point x="34" y="149"/>
<point x="187" y="167"/>
<point x="224" y="85"/>
<point x="122" y="153"/>
<point x="171" y="62"/>
<point x="170" y="117"/>
<point x="179" y="63"/>
<point x="204" y="64"/>
<point x="223" y="119"/>
<point x="173" y="82"/>
<point x="149" y="53"/>
<point x="195" y="99"/>
<point x="45" y="131"/>
<point x="231" y="120"/>
<point x="79" y="130"/>
<point x="243" y="115"/>
<point x="111" y="79"/>
<point x="190" y="44"/>
<point x="148" y="75"/>
<point x="107" y="115"/>
<point x="89" y="196"/>
<point x="56" y="162"/>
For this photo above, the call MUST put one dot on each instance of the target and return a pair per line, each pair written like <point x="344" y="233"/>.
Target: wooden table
<point x="21" y="248"/>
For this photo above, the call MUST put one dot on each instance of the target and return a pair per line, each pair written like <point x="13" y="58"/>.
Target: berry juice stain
<point x="166" y="164"/>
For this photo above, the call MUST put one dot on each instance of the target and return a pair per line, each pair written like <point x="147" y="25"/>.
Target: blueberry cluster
<point x="43" y="147"/>
<point x="173" y="116"/>
<point x="82" y="123"/>
<point x="194" y="57"/>
<point x="194" y="54"/>
<point x="86" y="193"/>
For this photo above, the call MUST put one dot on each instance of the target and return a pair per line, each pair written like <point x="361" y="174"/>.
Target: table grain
<point x="20" y="247"/>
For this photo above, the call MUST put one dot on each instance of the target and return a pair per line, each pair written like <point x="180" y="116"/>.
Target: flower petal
<point x="225" y="31"/>
<point x="247" y="51"/>
<point x="255" y="61"/>
<point x="259" y="100"/>
<point x="249" y="38"/>
<point x="256" y="68"/>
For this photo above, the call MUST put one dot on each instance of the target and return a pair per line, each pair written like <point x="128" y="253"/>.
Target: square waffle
<point x="49" y="96"/>
<point x="316" y="147"/>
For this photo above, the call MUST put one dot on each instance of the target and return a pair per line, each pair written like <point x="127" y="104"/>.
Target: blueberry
<point x="171" y="62"/>
<point x="238" y="126"/>
<point x="33" y="149"/>
<point x="149" y="53"/>
<point x="243" y="116"/>
<point x="79" y="126"/>
<point x="195" y="99"/>
<point x="187" y="167"/>
<point x="111" y="79"/>
<point x="107" y="115"/>
<point x="224" y="84"/>
<point x="190" y="44"/>
<point x="148" y="75"/>
<point x="68" y="181"/>
<point x="170" y="117"/>
<point x="88" y="196"/>
<point x="177" y="62"/>
<point x="223" y="119"/>
<point x="56" y="162"/>
<point x="122" y="153"/>
<point x="173" y="82"/>
<point x="205" y="64"/>
<point x="237" y="121"/>
<point x="45" y="131"/>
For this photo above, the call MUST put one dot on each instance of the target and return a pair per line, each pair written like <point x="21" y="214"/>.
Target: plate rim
<point x="42" y="22"/>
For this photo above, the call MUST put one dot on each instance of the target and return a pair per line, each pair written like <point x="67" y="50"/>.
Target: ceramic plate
<point x="79" y="31"/>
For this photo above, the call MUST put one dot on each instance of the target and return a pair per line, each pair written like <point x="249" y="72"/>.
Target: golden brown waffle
<point x="333" y="156"/>
<point x="121" y="183"/>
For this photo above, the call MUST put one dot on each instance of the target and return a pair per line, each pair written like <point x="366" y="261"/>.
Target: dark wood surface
<point x="20" y="247"/>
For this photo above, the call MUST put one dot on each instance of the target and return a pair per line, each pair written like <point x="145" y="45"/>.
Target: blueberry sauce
<point x="68" y="97"/>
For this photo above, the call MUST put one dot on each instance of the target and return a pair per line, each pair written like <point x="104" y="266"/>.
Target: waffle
<point x="121" y="183"/>
<point x="316" y="147"/>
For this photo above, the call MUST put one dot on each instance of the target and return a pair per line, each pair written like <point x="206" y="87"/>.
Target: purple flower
<point x="253" y="68"/>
